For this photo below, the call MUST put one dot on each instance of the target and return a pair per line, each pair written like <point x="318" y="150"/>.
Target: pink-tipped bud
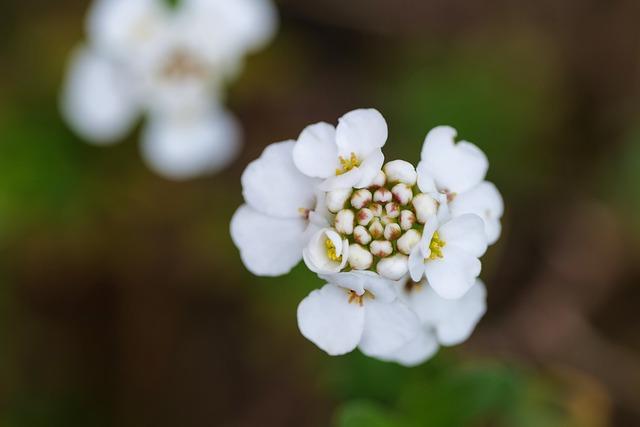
<point x="402" y="193"/>
<point x="382" y="195"/>
<point x="364" y="216"/>
<point x="376" y="209"/>
<point x="361" y="235"/>
<point x="379" y="180"/>
<point x="376" y="230"/>
<point x="392" y="231"/>
<point x="425" y="206"/>
<point x="381" y="248"/>
<point x="392" y="210"/>
<point x="361" y="198"/>
<point x="407" y="219"/>
<point x="344" y="221"/>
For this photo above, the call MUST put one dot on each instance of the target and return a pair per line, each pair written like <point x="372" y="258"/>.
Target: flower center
<point x="347" y="164"/>
<point x="331" y="251"/>
<point x="436" y="246"/>
<point x="182" y="65"/>
<point x="359" y="299"/>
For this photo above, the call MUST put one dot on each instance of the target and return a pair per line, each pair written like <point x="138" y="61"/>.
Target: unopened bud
<point x="364" y="216"/>
<point x="402" y="193"/>
<point x="379" y="180"/>
<point x="361" y="235"/>
<point x="376" y="209"/>
<point x="361" y="198"/>
<point x="407" y="219"/>
<point x="400" y="171"/>
<point x="392" y="231"/>
<point x="376" y="229"/>
<point x="382" y="195"/>
<point x="386" y="219"/>
<point x="336" y="199"/>
<point x="425" y="207"/>
<point x="359" y="257"/>
<point x="393" y="267"/>
<point x="344" y="221"/>
<point x="381" y="248"/>
<point x="392" y="210"/>
<point x="408" y="241"/>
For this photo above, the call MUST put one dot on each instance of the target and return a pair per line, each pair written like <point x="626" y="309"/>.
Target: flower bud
<point x="425" y="207"/>
<point x="361" y="198"/>
<point x="376" y="229"/>
<point x="335" y="199"/>
<point x="386" y="219"/>
<point x="408" y="241"/>
<point x="392" y="231"/>
<point x="400" y="171"/>
<point x="402" y="193"/>
<point x="359" y="257"/>
<point x="379" y="180"/>
<point x="344" y="221"/>
<point x="393" y="267"/>
<point x="364" y="216"/>
<point x="382" y="195"/>
<point x="376" y="209"/>
<point x="392" y="210"/>
<point x="381" y="248"/>
<point x="407" y="219"/>
<point x="361" y="235"/>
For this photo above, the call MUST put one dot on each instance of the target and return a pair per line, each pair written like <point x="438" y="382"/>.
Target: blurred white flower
<point x="338" y="318"/>
<point x="457" y="170"/>
<point x="444" y="322"/>
<point x="346" y="156"/>
<point x="281" y="213"/>
<point x="448" y="253"/>
<point x="144" y="56"/>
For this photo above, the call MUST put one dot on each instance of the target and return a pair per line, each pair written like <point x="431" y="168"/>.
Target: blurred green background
<point x="123" y="301"/>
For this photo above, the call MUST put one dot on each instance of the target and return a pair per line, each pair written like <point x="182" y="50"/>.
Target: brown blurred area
<point x="124" y="301"/>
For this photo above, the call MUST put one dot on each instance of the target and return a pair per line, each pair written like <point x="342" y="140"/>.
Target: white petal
<point x="453" y="275"/>
<point x="315" y="153"/>
<point x="268" y="246"/>
<point x="359" y="281"/>
<point x="184" y="147"/>
<point x="370" y="168"/>
<point x="485" y="201"/>
<point x="361" y="132"/>
<point x="416" y="264"/>
<point x="454" y="167"/>
<point x="388" y="326"/>
<point x="98" y="99"/>
<point x="417" y="351"/>
<point x="465" y="232"/>
<point x="327" y="319"/>
<point x="462" y="320"/>
<point x="343" y="181"/>
<point x="273" y="185"/>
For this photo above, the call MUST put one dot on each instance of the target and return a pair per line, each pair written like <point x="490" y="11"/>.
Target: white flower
<point x="144" y="57"/>
<point x="280" y="214"/>
<point x="347" y="156"/>
<point x="326" y="252"/>
<point x="444" y="322"/>
<point x="447" y="254"/>
<point x="367" y="315"/>
<point x="457" y="170"/>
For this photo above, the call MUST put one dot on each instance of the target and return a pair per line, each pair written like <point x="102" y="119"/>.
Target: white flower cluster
<point x="170" y="62"/>
<point x="398" y="246"/>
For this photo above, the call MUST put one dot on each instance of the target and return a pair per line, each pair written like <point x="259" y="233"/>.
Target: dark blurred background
<point x="123" y="301"/>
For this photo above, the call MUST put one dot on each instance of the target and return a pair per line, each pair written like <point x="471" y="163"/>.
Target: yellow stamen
<point x="359" y="299"/>
<point x="436" y="246"/>
<point x="331" y="251"/>
<point x="348" y="164"/>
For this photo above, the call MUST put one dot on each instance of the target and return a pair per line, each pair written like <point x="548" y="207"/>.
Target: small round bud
<point x="359" y="257"/>
<point x="379" y="180"/>
<point x="407" y="219"/>
<point x="344" y="221"/>
<point x="392" y="231"/>
<point x="364" y="216"/>
<point x="400" y="171"/>
<point x="386" y="219"/>
<point x="376" y="229"/>
<point x="361" y="198"/>
<point x="376" y="209"/>
<point x="392" y="210"/>
<point x="425" y="207"/>
<point x="382" y="195"/>
<point x="402" y="193"/>
<point x="381" y="248"/>
<point x="361" y="235"/>
<point x="408" y="240"/>
<point x="393" y="267"/>
<point x="336" y="199"/>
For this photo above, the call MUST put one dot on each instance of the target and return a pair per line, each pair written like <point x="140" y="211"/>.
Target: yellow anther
<point x="359" y="299"/>
<point x="348" y="164"/>
<point x="436" y="246"/>
<point x="331" y="251"/>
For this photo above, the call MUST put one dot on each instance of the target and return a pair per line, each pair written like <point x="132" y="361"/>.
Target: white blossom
<point x="145" y="57"/>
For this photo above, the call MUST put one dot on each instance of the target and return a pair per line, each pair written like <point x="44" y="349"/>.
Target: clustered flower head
<point x="170" y="60"/>
<point x="398" y="246"/>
